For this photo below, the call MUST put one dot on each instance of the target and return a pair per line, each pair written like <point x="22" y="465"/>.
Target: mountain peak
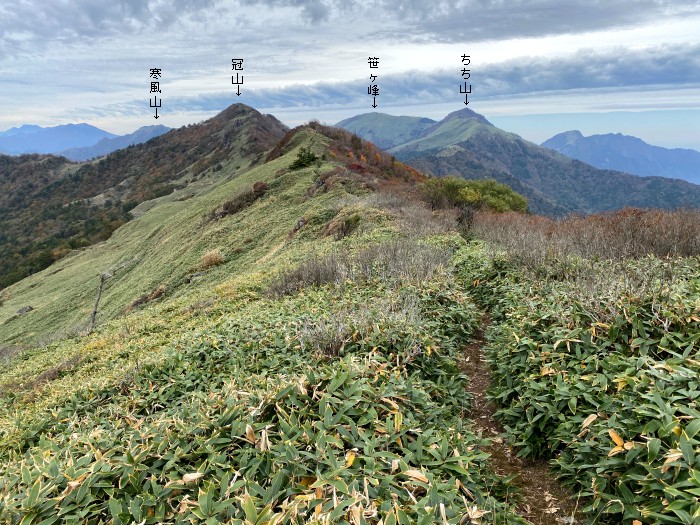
<point x="563" y="140"/>
<point x="386" y="131"/>
<point x="466" y="113"/>
<point x="236" y="110"/>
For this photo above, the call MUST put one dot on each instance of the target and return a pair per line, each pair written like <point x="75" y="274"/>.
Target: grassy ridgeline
<point x="222" y="384"/>
<point x="285" y="349"/>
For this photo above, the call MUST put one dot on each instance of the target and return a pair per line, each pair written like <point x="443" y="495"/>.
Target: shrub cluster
<point x="305" y="157"/>
<point x="212" y="258"/>
<point x="477" y="194"/>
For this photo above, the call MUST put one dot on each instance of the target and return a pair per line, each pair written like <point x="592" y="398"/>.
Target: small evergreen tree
<point x="305" y="157"/>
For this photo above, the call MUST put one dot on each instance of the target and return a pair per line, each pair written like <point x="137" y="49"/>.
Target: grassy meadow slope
<point x="288" y="347"/>
<point x="311" y="377"/>
<point x="160" y="248"/>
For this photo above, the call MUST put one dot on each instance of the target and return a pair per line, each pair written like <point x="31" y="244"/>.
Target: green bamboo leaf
<point x="390" y="518"/>
<point x="49" y="521"/>
<point x="687" y="449"/>
<point x="403" y="517"/>
<point x="339" y="485"/>
<point x="692" y="429"/>
<point x="251" y="513"/>
<point x="32" y="495"/>
<point x="654" y="445"/>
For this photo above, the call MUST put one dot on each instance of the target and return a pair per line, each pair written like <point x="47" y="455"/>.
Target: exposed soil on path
<point x="543" y="501"/>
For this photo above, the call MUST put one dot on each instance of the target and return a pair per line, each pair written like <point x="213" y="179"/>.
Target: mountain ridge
<point x="402" y="128"/>
<point x="108" y="145"/>
<point x="49" y="205"/>
<point x="629" y="154"/>
<point x="163" y="243"/>
<point x="35" y="139"/>
<point x="466" y="144"/>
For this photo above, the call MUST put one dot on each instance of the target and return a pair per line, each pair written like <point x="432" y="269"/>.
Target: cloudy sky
<point x="538" y="67"/>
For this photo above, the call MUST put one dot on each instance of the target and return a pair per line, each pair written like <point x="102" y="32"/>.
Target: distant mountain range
<point x="73" y="141"/>
<point x="108" y="145"/>
<point x="467" y="145"/>
<point x="50" y="205"/>
<point x="628" y="154"/>
<point x="35" y="139"/>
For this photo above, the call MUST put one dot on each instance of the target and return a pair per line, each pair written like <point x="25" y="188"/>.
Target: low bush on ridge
<point x="211" y="258"/>
<point x="486" y="194"/>
<point x="239" y="202"/>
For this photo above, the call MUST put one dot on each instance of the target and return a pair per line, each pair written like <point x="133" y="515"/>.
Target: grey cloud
<point x="586" y="69"/>
<point x="479" y="20"/>
<point x="314" y="11"/>
<point x="40" y="23"/>
<point x="583" y="70"/>
<point x="31" y="25"/>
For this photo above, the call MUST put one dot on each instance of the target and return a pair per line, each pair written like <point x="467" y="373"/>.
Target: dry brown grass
<point x="602" y="257"/>
<point x="390" y="262"/>
<point x="629" y="233"/>
<point x="212" y="258"/>
<point x="327" y="336"/>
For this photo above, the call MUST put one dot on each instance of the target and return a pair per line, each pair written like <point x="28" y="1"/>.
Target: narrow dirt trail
<point x="543" y="500"/>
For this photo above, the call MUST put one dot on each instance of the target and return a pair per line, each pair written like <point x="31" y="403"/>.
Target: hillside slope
<point x="164" y="245"/>
<point x="49" y="206"/>
<point x="629" y="154"/>
<point x="289" y="347"/>
<point x="318" y="351"/>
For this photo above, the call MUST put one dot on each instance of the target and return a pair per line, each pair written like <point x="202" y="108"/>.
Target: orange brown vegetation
<point x="212" y="258"/>
<point x="156" y="293"/>
<point x="630" y="232"/>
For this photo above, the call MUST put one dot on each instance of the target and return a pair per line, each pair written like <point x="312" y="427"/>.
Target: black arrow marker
<point x="238" y="92"/>
<point x="374" y="102"/>
<point x="156" y="115"/>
